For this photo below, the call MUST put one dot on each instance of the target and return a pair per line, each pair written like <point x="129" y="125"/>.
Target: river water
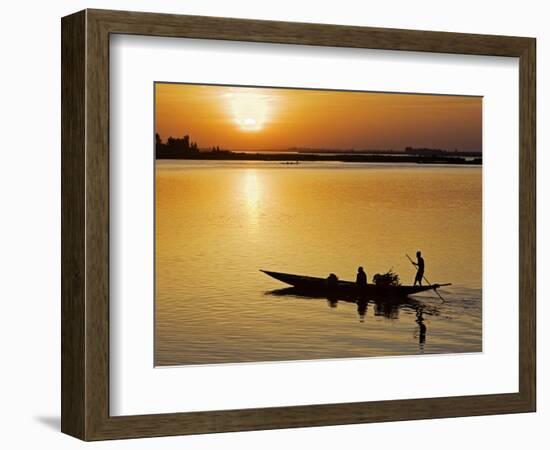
<point x="219" y="222"/>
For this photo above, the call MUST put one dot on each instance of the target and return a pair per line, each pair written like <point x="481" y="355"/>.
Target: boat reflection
<point x="362" y="306"/>
<point x="421" y="334"/>
<point x="387" y="307"/>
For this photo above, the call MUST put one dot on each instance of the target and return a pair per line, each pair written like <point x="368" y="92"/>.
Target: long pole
<point x="427" y="281"/>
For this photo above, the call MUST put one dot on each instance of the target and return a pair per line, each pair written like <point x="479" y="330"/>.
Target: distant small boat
<point x="322" y="286"/>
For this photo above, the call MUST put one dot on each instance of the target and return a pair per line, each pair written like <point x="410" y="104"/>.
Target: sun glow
<point x="250" y="110"/>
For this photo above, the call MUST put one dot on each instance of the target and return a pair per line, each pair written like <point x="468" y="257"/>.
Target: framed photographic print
<point x="270" y="224"/>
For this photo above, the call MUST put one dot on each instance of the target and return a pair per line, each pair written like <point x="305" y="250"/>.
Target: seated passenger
<point x="332" y="280"/>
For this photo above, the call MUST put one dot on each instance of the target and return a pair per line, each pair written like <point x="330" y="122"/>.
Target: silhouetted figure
<point x="361" y="280"/>
<point x="332" y="280"/>
<point x="420" y="272"/>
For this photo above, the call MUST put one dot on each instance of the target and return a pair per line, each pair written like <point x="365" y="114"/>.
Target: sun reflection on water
<point x="252" y="196"/>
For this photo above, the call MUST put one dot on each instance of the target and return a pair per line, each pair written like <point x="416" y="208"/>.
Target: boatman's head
<point x="418" y="253"/>
<point x="360" y="269"/>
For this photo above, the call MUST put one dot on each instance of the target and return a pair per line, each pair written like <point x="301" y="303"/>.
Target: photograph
<point x="305" y="224"/>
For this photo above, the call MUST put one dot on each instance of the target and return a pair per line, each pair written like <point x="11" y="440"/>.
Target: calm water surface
<point x="218" y="223"/>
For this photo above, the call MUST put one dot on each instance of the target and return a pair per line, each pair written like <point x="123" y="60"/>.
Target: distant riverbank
<point x="225" y="155"/>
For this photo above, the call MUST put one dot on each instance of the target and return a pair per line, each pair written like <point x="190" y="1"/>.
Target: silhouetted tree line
<point x="175" y="148"/>
<point x="181" y="148"/>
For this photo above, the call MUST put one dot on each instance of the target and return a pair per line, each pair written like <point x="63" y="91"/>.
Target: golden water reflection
<point x="252" y="195"/>
<point x="218" y="223"/>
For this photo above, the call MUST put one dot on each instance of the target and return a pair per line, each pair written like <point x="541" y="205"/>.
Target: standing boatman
<point x="420" y="271"/>
<point x="361" y="280"/>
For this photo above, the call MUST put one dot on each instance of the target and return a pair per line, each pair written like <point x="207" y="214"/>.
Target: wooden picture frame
<point x="85" y="224"/>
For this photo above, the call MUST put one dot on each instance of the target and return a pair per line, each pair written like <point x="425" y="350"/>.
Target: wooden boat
<point x="324" y="287"/>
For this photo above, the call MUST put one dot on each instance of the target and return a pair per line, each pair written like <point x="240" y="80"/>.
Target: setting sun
<point x="249" y="110"/>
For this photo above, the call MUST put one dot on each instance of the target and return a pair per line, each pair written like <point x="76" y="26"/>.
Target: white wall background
<point x="30" y="225"/>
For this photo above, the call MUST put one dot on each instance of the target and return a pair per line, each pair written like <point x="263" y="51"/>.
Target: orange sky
<point x="265" y="118"/>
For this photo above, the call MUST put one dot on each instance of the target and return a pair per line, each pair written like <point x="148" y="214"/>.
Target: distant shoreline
<point x="224" y="155"/>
